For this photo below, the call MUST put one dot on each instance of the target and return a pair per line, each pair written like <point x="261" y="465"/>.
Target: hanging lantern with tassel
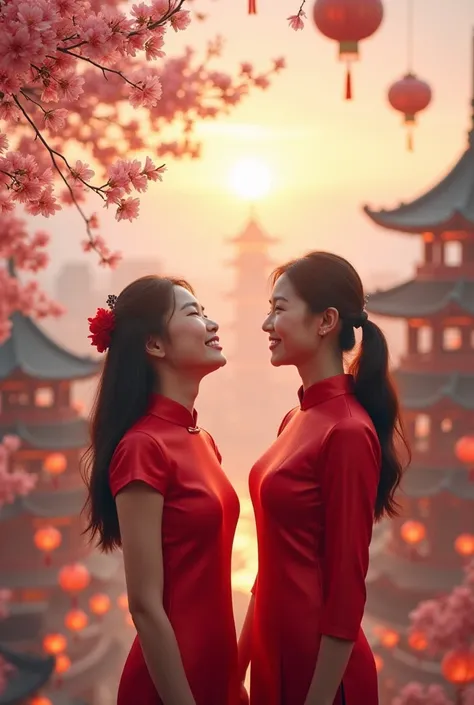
<point x="252" y="7"/>
<point x="410" y="95"/>
<point x="348" y="22"/>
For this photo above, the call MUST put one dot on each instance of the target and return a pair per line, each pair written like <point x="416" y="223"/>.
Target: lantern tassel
<point x="410" y="141"/>
<point x="252" y="7"/>
<point x="348" y="83"/>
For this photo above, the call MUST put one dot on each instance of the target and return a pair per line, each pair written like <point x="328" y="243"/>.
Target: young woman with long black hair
<point x="332" y="471"/>
<point x="157" y="490"/>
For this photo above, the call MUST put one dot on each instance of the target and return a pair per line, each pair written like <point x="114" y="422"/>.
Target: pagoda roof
<point x="427" y="482"/>
<point x="447" y="206"/>
<point x="30" y="350"/>
<point x="58" y="502"/>
<point x="30" y="674"/>
<point x="252" y="234"/>
<point x="422" y="298"/>
<point x="55" y="436"/>
<point x="421" y="391"/>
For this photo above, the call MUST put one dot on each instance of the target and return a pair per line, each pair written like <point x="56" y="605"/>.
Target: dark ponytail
<point x="127" y="382"/>
<point x="324" y="280"/>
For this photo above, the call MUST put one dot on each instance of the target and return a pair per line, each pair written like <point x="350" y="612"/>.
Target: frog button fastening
<point x="194" y="429"/>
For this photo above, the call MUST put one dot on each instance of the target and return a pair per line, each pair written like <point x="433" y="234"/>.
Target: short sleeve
<point x="138" y="457"/>
<point x="350" y="477"/>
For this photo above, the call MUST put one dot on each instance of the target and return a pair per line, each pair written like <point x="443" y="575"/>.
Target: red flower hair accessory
<point x="102" y="326"/>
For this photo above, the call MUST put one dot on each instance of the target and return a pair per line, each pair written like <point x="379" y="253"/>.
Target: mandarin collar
<point x="173" y="412"/>
<point x="325" y="390"/>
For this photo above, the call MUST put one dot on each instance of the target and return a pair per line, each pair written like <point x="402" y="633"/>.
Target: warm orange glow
<point x="54" y="643"/>
<point x="413" y="532"/>
<point x="389" y="638"/>
<point x="40" y="700"/>
<point x="55" y="464"/>
<point x="63" y="663"/>
<point x="464" y="545"/>
<point x="458" y="667"/>
<point x="122" y="601"/>
<point x="47" y="539"/>
<point x="378" y="662"/>
<point x="74" y="578"/>
<point x="44" y="397"/>
<point x="251" y="179"/>
<point x="129" y="620"/>
<point x="76" y="620"/>
<point x="417" y="641"/>
<point x="99" y="604"/>
<point x="464" y="450"/>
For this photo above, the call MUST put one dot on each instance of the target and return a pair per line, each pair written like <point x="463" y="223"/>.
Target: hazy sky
<point x="328" y="157"/>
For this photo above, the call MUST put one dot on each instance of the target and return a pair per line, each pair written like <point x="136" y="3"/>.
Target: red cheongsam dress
<point x="167" y="451"/>
<point x="314" y="494"/>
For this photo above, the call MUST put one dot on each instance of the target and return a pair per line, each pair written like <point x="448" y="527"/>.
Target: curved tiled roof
<point x="447" y="206"/>
<point x="421" y="391"/>
<point x="57" y="436"/>
<point x="30" y="674"/>
<point x="422" y="298"/>
<point x="31" y="351"/>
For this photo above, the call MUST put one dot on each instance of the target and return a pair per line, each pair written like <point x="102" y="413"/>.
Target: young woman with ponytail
<point x="157" y="491"/>
<point x="332" y="471"/>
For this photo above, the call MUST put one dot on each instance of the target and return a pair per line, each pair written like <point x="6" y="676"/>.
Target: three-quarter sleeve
<point x="351" y="459"/>
<point x="138" y="457"/>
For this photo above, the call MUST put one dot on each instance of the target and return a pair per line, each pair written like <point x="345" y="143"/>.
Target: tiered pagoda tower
<point x="421" y="557"/>
<point x="63" y="594"/>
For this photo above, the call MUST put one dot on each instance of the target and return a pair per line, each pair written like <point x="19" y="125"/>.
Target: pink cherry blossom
<point x="70" y="72"/>
<point x="417" y="694"/>
<point x="296" y="21"/>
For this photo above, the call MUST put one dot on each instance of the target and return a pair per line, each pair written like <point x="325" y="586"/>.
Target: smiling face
<point x="295" y="333"/>
<point x="192" y="344"/>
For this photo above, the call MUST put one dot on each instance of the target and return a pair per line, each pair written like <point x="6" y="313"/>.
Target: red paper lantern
<point x="252" y="7"/>
<point x="464" y="450"/>
<point x="389" y="638"/>
<point x="76" y="620"/>
<point x="74" y="578"/>
<point x="464" y="545"/>
<point x="55" y="464"/>
<point x="413" y="532"/>
<point x="458" y="667"/>
<point x="418" y="641"/>
<point x="40" y="700"/>
<point x="47" y="539"/>
<point x="99" y="604"/>
<point x="54" y="643"/>
<point x="348" y="22"/>
<point x="410" y="95"/>
<point x="63" y="663"/>
<point x="378" y="662"/>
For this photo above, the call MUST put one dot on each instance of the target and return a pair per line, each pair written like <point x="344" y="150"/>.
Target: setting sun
<point x="250" y="178"/>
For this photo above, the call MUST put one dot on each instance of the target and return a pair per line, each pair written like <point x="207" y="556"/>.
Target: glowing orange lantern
<point x="458" y="667"/>
<point x="413" y="532"/>
<point x="63" y="663"/>
<point x="40" y="700"/>
<point x="348" y="22"/>
<point x="55" y="464"/>
<point x="76" y="620"/>
<point x="54" y="643"/>
<point x="389" y="638"/>
<point x="99" y="604"/>
<point x="74" y="578"/>
<point x="122" y="601"/>
<point x="464" y="450"/>
<point x="378" y="662"/>
<point x="417" y="641"/>
<point x="464" y="545"/>
<point x="47" y="540"/>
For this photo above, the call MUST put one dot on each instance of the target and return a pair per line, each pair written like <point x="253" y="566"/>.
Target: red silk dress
<point x="314" y="494"/>
<point x="167" y="450"/>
